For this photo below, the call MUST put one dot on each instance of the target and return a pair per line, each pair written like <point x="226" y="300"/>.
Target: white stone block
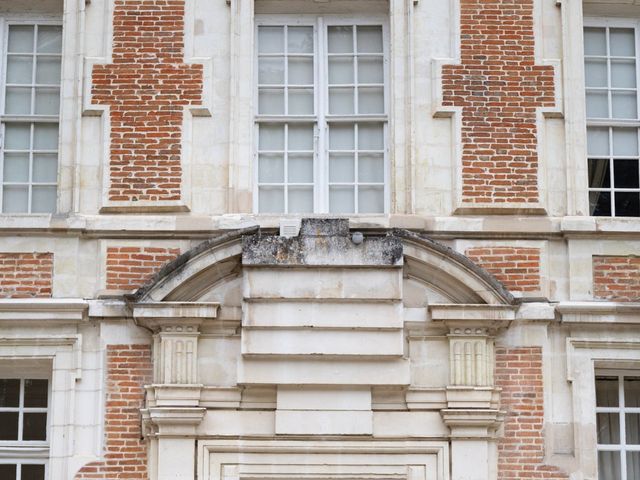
<point x="318" y="398"/>
<point x="323" y="422"/>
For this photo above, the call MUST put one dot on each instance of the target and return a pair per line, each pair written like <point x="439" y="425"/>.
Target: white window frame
<point x="321" y="117"/>
<point x="5" y="22"/>
<point x="607" y="22"/>
<point x="22" y="452"/>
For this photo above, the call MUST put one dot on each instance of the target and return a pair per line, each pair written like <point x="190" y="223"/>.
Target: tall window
<point x="24" y="449"/>
<point x="321" y="116"/>
<point x="611" y="72"/>
<point x="618" y="423"/>
<point x="30" y="115"/>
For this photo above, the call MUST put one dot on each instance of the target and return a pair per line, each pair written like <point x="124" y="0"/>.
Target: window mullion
<point x="320" y="145"/>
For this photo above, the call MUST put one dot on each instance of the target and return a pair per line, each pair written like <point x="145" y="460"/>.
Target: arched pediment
<point x="439" y="268"/>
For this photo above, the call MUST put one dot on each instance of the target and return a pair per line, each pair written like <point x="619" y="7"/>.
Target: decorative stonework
<point x="616" y="278"/>
<point x="176" y="355"/>
<point x="471" y="352"/>
<point x="499" y="88"/>
<point x="26" y="275"/>
<point x="147" y="86"/>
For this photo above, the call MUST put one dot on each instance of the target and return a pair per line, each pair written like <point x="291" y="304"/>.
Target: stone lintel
<point x="157" y="315"/>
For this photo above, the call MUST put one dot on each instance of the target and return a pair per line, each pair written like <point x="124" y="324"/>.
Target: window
<point x="611" y="72"/>
<point x="321" y="115"/>
<point x="618" y="424"/>
<point x="30" y="115"/>
<point x="24" y="404"/>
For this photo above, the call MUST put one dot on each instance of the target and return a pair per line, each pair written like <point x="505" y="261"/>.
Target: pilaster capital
<point x="171" y="421"/>
<point x="472" y="423"/>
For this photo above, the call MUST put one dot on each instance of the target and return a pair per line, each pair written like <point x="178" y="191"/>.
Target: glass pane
<point x="370" y="168"/>
<point x="9" y="392"/>
<point x="341" y="168"/>
<point x="270" y="168"/>
<point x="20" y="39"/>
<point x="17" y="136"/>
<point x="271" y="137"/>
<point x="623" y="74"/>
<point x="18" y="100"/>
<point x="370" y="199"/>
<point x="595" y="73"/>
<point x="45" y="136"/>
<point x="45" y="167"/>
<point x="16" y="167"/>
<point x="300" y="101"/>
<point x="340" y="70"/>
<point x="623" y="105"/>
<point x="609" y="465"/>
<point x="340" y="39"/>
<point x="300" y="168"/>
<point x="44" y="200"/>
<point x="34" y="426"/>
<point x="49" y="39"/>
<point x="370" y="136"/>
<point x="622" y="42"/>
<point x="271" y="39"/>
<point x="341" y="137"/>
<point x="15" y="199"/>
<point x="599" y="173"/>
<point x="47" y="101"/>
<point x="597" y="105"/>
<point x="369" y="39"/>
<point x="632" y="392"/>
<point x="341" y="101"/>
<point x="607" y="392"/>
<point x="600" y="204"/>
<point x="300" y="39"/>
<point x="370" y="100"/>
<point x="598" y="141"/>
<point x="341" y="200"/>
<point x="271" y="200"/>
<point x="271" y="70"/>
<point x="608" y="428"/>
<point x="633" y="465"/>
<point x="271" y="101"/>
<point x="625" y="174"/>
<point x="19" y="69"/>
<point x="36" y="393"/>
<point x="632" y="427"/>
<point x="625" y="141"/>
<point x="8" y="471"/>
<point x="8" y="425"/>
<point x="300" y="199"/>
<point x="32" y="472"/>
<point x="627" y="204"/>
<point x="48" y="71"/>
<point x="300" y="137"/>
<point x="370" y="70"/>
<point x="300" y="71"/>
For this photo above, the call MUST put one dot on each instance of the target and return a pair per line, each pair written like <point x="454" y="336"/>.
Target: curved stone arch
<point x="217" y="260"/>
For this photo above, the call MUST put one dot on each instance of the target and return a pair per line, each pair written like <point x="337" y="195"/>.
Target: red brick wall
<point x="518" y="268"/>
<point x="26" y="275"/>
<point x="125" y="453"/>
<point x="521" y="449"/>
<point x="499" y="88"/>
<point x="128" y="268"/>
<point x="616" y="278"/>
<point x="146" y="87"/>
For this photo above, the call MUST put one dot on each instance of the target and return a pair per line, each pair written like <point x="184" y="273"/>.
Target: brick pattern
<point x="146" y="87"/>
<point x="128" y="268"/>
<point x="499" y="88"/>
<point x="26" y="275"/>
<point x="517" y="268"/>
<point x="521" y="449"/>
<point x="125" y="452"/>
<point x="616" y="278"/>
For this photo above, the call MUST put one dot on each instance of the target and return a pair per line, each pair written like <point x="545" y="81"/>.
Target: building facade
<point x="320" y="239"/>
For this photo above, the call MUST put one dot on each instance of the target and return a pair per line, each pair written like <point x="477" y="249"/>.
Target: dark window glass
<point x="607" y="392"/>
<point x="7" y="471"/>
<point x="34" y="426"/>
<point x="35" y="393"/>
<point x="632" y="392"/>
<point x="608" y="428"/>
<point x="627" y="204"/>
<point x="599" y="174"/>
<point x="32" y="472"/>
<point x="8" y="426"/>
<point x="600" y="203"/>
<point x="609" y="465"/>
<point x="632" y="428"/>
<point x="625" y="173"/>
<point x="9" y="392"/>
<point x="633" y="465"/>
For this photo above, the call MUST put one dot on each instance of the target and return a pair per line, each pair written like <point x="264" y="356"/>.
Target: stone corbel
<point x="171" y="421"/>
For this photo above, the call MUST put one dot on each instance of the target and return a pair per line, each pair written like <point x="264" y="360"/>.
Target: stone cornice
<point x="49" y="310"/>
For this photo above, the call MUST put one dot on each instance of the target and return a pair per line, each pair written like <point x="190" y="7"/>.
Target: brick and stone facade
<point x="128" y="268"/>
<point x="26" y="275"/>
